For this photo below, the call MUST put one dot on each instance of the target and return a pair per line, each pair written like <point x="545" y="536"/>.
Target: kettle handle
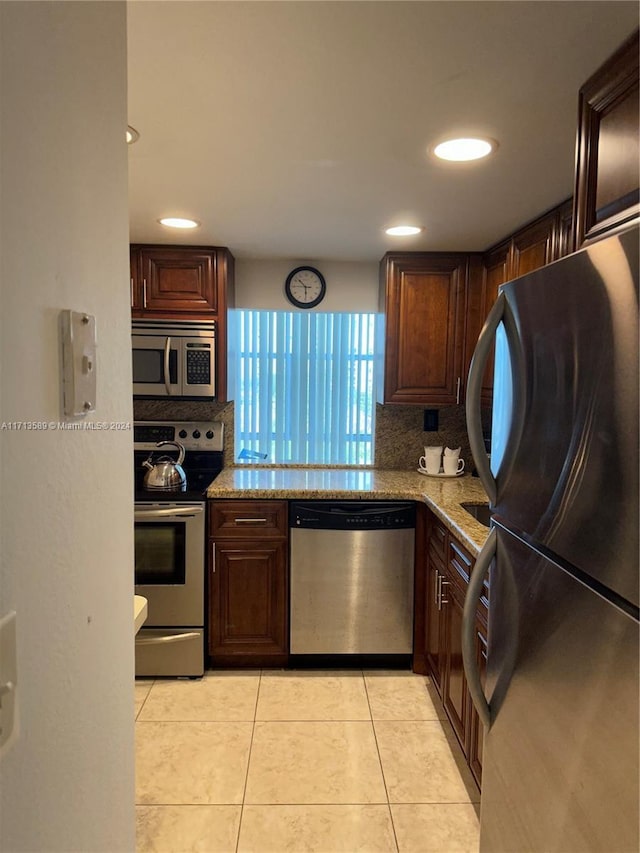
<point x="177" y="445"/>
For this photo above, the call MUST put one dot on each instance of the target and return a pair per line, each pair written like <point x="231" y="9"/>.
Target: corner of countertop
<point x="441" y="496"/>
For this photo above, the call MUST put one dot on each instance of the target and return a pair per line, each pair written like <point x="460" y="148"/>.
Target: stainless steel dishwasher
<point x="352" y="577"/>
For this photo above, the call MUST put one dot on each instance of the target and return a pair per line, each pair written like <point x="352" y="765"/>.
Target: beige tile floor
<point x="299" y="762"/>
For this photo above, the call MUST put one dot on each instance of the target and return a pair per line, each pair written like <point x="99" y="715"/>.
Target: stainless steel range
<point x="170" y="531"/>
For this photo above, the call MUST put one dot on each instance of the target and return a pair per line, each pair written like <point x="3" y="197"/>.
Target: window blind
<point x="304" y="386"/>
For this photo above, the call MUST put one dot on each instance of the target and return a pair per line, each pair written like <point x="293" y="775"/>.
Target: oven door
<point x="169" y="562"/>
<point x="157" y="365"/>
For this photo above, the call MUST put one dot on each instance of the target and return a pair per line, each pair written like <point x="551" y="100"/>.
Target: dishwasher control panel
<point x="352" y="515"/>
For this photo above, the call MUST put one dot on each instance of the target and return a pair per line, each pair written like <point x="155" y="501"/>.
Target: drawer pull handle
<point x="250" y="520"/>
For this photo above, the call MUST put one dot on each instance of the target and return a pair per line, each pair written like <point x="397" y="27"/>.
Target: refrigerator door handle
<point x="474" y="591"/>
<point x="474" y="390"/>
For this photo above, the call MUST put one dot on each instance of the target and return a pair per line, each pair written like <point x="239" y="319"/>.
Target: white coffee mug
<point x="453" y="465"/>
<point x="431" y="460"/>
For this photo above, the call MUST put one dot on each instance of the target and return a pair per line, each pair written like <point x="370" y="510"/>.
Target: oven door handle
<point x="167" y="512"/>
<point x="169" y="638"/>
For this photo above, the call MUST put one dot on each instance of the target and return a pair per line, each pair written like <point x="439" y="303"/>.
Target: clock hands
<point x="305" y="287"/>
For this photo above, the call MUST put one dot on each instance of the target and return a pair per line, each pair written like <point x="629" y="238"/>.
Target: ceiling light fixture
<point x="403" y="230"/>
<point x="132" y="135"/>
<point x="177" y="222"/>
<point x="462" y="150"/>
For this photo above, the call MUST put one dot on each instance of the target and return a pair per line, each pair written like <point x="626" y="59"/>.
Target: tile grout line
<point x="384" y="781"/>
<point x="246" y="778"/>
<point x="144" y="701"/>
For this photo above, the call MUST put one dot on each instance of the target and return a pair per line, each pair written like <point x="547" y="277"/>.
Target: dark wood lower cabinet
<point x="434" y="625"/>
<point x="476" y="729"/>
<point x="446" y="566"/>
<point x="248" y="585"/>
<point x="248" y="599"/>
<point x="454" y="687"/>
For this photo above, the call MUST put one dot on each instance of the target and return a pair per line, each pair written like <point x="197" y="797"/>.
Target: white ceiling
<point x="300" y="129"/>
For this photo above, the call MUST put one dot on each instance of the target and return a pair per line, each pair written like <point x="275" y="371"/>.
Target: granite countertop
<point x="442" y="496"/>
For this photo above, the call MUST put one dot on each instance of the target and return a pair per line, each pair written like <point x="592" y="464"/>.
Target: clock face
<point x="305" y="287"/>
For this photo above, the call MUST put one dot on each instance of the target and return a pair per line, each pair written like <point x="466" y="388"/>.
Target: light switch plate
<point x="78" y="332"/>
<point x="8" y="677"/>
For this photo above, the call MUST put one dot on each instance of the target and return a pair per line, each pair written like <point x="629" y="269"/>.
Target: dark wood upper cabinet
<point x="424" y="296"/>
<point x="532" y="247"/>
<point x="180" y="281"/>
<point x="544" y="240"/>
<point x="564" y="230"/>
<point x="185" y="283"/>
<point x="607" y="195"/>
<point x="496" y="266"/>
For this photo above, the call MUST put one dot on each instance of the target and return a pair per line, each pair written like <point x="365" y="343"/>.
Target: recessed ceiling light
<point x="461" y="150"/>
<point x="403" y="230"/>
<point x="132" y="135"/>
<point x="177" y="222"/>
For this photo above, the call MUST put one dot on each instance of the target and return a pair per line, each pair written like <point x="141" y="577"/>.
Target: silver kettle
<point x="166" y="475"/>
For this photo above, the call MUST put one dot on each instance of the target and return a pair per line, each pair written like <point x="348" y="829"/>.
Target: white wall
<point x="351" y="286"/>
<point x="66" y="504"/>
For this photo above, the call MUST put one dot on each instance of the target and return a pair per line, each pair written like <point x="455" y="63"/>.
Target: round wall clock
<point x="305" y="287"/>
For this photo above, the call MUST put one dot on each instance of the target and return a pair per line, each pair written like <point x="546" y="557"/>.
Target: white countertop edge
<point x="139" y="612"/>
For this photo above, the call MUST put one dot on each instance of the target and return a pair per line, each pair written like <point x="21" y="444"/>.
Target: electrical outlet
<point x="430" y="420"/>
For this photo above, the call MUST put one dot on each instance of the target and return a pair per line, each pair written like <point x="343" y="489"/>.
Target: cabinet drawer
<point x="437" y="538"/>
<point x="460" y="564"/>
<point x="239" y="519"/>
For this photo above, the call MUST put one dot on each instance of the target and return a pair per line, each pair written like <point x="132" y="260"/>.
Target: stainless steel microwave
<point x="174" y="359"/>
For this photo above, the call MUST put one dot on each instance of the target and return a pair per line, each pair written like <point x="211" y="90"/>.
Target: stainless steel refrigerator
<point x="560" y="699"/>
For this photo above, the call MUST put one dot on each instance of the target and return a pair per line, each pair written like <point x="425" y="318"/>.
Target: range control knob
<point x="183" y="433"/>
<point x="196" y="433"/>
<point x="209" y="433"/>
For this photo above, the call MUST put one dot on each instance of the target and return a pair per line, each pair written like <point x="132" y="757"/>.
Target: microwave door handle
<point x="167" y="378"/>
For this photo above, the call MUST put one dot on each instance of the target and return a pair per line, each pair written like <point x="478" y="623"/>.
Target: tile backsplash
<point x="400" y="437"/>
<point x="185" y="410"/>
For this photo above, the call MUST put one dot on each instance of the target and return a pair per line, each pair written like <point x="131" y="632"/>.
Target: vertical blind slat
<point x="305" y="385"/>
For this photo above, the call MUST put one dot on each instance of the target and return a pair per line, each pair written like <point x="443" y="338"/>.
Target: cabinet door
<point x="531" y="247"/>
<point x="496" y="272"/>
<point x="433" y="624"/>
<point x="564" y="231"/>
<point x="607" y="193"/>
<point x="178" y="281"/>
<point x="135" y="279"/>
<point x="425" y="317"/>
<point x="248" y="599"/>
<point x="476" y="729"/>
<point x="454" y="685"/>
